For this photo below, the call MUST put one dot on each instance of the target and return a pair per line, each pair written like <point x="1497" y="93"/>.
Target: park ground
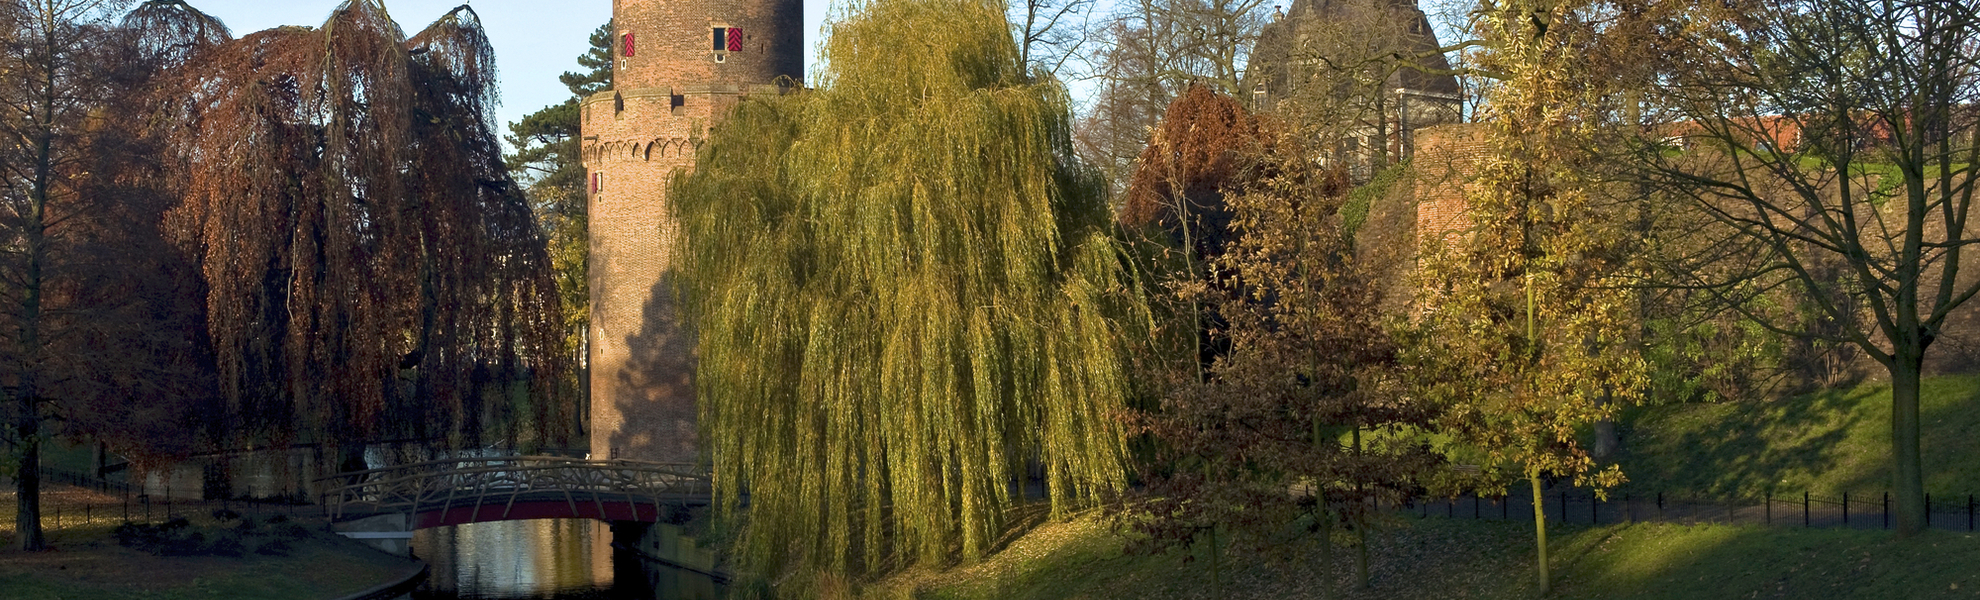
<point x="280" y="559"/>
<point x="1825" y="443"/>
<point x="1440" y="558"/>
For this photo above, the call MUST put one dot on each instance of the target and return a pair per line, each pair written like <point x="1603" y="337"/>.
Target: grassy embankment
<point x="1827" y="442"/>
<point x="88" y="563"/>
<point x="1490" y="560"/>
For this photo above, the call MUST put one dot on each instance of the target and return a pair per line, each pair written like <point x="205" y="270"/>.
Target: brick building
<point x="679" y="65"/>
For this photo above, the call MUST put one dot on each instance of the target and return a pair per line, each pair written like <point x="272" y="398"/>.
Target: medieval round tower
<point x="679" y="65"/>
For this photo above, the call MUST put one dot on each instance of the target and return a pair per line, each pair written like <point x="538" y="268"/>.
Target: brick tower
<point x="679" y="65"/>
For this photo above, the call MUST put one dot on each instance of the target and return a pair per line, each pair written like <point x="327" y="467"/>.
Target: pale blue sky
<point x="534" y="41"/>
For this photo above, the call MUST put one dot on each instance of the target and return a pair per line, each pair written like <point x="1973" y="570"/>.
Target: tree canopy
<point x="371" y="271"/>
<point x="548" y="160"/>
<point x="905" y="291"/>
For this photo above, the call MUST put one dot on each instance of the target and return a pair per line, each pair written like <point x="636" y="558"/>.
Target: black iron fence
<point x="1575" y="506"/>
<point x="70" y="499"/>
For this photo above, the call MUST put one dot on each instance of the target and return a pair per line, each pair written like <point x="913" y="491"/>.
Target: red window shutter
<point x="594" y="183"/>
<point x="629" y="44"/>
<point x="735" y="39"/>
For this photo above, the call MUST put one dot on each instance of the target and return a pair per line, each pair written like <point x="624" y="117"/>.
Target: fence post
<point x="1769" y="499"/>
<point x="1505" y="508"/>
<point x="1887" y="510"/>
<point x="1594" y="509"/>
<point x="1629" y="510"/>
<point x="1928" y="511"/>
<point x="1475" y="508"/>
<point x="1660" y="506"/>
<point x="1845" y="510"/>
<point x="1564" y="517"/>
<point x="1969" y="512"/>
<point x="1805" y="520"/>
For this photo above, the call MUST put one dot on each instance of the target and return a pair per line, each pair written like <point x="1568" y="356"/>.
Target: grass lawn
<point x="87" y="563"/>
<point x="1826" y="443"/>
<point x="1439" y="558"/>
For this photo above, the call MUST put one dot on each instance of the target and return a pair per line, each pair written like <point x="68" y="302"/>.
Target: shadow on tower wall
<point x="655" y="395"/>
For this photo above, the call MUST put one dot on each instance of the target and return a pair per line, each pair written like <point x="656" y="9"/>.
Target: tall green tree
<point x="1527" y="323"/>
<point x="548" y="160"/>
<point x="905" y="291"/>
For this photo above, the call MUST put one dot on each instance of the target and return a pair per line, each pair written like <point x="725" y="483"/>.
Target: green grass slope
<point x="1826" y="443"/>
<point x="1486" y="560"/>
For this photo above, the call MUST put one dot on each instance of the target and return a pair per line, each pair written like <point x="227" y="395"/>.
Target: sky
<point x="534" y="40"/>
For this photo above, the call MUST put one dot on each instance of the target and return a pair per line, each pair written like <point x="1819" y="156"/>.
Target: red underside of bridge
<point x="537" y="509"/>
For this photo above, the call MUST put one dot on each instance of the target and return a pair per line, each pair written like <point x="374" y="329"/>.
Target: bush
<point x="178" y="537"/>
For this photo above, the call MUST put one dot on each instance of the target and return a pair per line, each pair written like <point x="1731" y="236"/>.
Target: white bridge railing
<point x="472" y="482"/>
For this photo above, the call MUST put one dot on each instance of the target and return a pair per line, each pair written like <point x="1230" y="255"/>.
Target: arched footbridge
<point x="474" y="490"/>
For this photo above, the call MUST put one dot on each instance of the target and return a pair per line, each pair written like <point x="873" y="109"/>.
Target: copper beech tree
<point x="372" y="273"/>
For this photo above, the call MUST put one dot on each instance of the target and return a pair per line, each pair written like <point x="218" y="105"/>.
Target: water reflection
<point x="562" y="559"/>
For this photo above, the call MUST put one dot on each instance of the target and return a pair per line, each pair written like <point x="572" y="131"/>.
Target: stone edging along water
<point x="397" y="587"/>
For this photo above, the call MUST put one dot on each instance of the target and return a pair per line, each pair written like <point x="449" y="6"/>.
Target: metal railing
<point x="464" y="482"/>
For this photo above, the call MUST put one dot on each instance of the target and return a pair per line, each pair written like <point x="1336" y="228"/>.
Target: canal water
<point x="548" y="559"/>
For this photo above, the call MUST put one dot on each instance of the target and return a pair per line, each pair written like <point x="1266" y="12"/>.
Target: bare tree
<point x="51" y="81"/>
<point x="1152" y="51"/>
<point x="1050" y="33"/>
<point x="1833" y="143"/>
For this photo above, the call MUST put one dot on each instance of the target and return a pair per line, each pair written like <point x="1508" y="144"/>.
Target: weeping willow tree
<point x="371" y="271"/>
<point x="906" y="294"/>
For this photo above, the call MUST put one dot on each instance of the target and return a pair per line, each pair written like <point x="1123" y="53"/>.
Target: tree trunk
<point x="27" y="514"/>
<point x="1607" y="443"/>
<point x="1540" y="529"/>
<point x="1361" y="552"/>
<point x="1909" y="477"/>
<point x="1326" y="566"/>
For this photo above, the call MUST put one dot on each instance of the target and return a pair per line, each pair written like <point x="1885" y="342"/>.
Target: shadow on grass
<point x="1745" y="449"/>
<point x="1664" y="561"/>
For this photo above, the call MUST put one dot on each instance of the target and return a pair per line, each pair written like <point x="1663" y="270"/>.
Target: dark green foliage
<point x="179" y="537"/>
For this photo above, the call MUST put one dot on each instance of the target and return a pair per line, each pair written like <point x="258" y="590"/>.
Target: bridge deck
<point x="456" y="491"/>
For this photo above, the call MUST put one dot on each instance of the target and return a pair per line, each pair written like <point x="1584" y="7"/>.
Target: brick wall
<point x="666" y="96"/>
<point x="1446" y="160"/>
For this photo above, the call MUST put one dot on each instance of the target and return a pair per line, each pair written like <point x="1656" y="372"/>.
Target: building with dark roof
<point x="1325" y="51"/>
